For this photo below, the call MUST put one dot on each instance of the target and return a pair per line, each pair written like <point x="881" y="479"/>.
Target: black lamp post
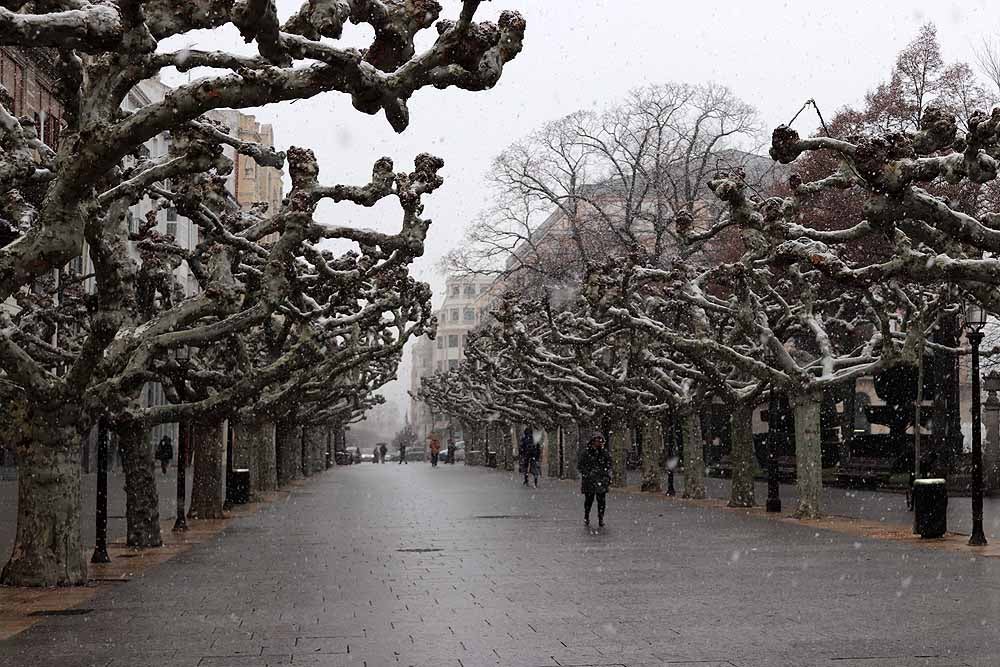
<point x="101" y="511"/>
<point x="773" y="503"/>
<point x="183" y="447"/>
<point x="975" y="320"/>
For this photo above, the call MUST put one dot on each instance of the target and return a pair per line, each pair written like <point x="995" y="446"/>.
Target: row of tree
<point x="673" y="275"/>
<point x="281" y="330"/>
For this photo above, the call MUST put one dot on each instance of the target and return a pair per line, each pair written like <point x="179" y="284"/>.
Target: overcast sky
<point x="584" y="54"/>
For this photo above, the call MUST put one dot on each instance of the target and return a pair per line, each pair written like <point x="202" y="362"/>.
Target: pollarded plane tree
<point x="337" y="314"/>
<point x="65" y="197"/>
<point x="582" y="366"/>
<point x="685" y="299"/>
<point x="786" y="324"/>
<point x="499" y="384"/>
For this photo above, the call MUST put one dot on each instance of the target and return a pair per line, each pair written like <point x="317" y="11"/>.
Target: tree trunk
<point x="289" y="444"/>
<point x="209" y="467"/>
<point x="47" y="549"/>
<point x="552" y="450"/>
<point x="142" y="502"/>
<point x="652" y="451"/>
<point x="741" y="489"/>
<point x="621" y="442"/>
<point x="305" y="457"/>
<point x="313" y="438"/>
<point x="808" y="458"/>
<point x="255" y="450"/>
<point x="694" y="457"/>
<point x="571" y="451"/>
<point x="509" y="444"/>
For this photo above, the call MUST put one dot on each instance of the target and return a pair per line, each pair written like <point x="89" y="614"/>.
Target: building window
<point x="438" y="366"/>
<point x="440" y="342"/>
<point x="469" y="315"/>
<point x="130" y="220"/>
<point x="456" y="290"/>
<point x="454" y="314"/>
<point x="171" y="214"/>
<point x="172" y="229"/>
<point x="465" y="340"/>
<point x="453" y="340"/>
<point x="452" y="364"/>
<point x="470" y="290"/>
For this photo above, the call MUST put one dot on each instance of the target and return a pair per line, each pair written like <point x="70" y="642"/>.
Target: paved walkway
<point x="387" y="565"/>
<point x="883" y="506"/>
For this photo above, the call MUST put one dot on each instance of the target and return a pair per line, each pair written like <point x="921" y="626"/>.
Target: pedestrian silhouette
<point x="595" y="477"/>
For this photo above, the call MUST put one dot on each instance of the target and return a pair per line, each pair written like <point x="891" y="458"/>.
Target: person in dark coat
<point x="595" y="477"/>
<point x="164" y="452"/>
<point x="382" y="449"/>
<point x="528" y="455"/>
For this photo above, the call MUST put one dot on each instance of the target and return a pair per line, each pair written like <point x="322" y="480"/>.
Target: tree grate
<point x="503" y="516"/>
<point x="418" y="550"/>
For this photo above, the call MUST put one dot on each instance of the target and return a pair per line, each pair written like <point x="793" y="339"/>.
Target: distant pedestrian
<point x="375" y="455"/>
<point x="164" y="452"/>
<point x="528" y="454"/>
<point x="402" y="454"/>
<point x="435" y="452"/>
<point x="595" y="477"/>
<point x="382" y="449"/>
<point x="451" y="451"/>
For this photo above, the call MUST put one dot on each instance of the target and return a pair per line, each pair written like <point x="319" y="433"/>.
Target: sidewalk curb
<point x="17" y="604"/>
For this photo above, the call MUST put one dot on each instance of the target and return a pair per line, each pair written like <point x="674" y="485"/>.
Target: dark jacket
<point x="528" y="451"/>
<point x="164" y="450"/>
<point x="595" y="470"/>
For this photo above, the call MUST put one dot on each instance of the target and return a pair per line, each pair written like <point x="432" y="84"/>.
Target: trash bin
<point x="491" y="459"/>
<point x="238" y="492"/>
<point x="930" y="507"/>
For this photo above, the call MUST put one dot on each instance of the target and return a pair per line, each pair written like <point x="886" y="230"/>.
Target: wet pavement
<point x="883" y="506"/>
<point x="387" y="565"/>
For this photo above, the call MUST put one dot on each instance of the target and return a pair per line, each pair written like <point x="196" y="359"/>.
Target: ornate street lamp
<point x="975" y="320"/>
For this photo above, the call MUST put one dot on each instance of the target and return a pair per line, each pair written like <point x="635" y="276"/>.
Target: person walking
<point x="402" y="453"/>
<point x="164" y="452"/>
<point x="382" y="449"/>
<point x="435" y="452"/>
<point x="528" y="455"/>
<point x="375" y="455"/>
<point x="451" y="451"/>
<point x="595" y="477"/>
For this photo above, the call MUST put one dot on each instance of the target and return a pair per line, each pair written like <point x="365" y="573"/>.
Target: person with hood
<point x="528" y="455"/>
<point x="595" y="477"/>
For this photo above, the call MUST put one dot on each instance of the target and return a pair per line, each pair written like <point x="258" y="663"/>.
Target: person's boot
<point x="586" y="519"/>
<point x="526" y="480"/>
<point x="600" y="520"/>
<point x="536" y="482"/>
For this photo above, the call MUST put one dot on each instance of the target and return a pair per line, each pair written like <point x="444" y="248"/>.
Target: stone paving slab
<point x="339" y="574"/>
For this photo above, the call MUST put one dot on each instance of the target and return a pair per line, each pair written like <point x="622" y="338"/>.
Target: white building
<point x="459" y="314"/>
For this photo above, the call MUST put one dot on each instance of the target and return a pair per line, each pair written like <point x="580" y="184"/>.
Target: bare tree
<point x="613" y="182"/>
